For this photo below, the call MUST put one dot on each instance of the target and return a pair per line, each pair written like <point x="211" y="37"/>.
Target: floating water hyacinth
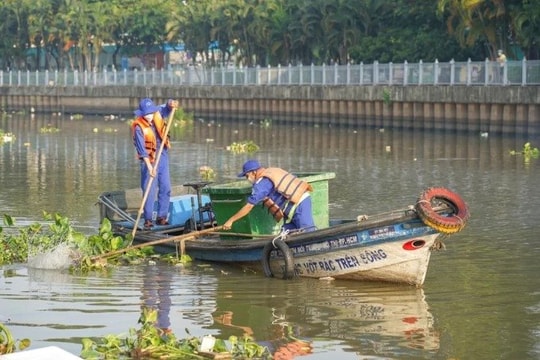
<point x="243" y="147"/>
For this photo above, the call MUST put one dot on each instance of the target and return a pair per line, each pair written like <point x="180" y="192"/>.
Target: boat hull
<point x="393" y="247"/>
<point x="398" y="251"/>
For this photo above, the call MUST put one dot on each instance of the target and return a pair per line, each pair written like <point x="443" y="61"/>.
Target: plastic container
<point x="183" y="207"/>
<point x="228" y="198"/>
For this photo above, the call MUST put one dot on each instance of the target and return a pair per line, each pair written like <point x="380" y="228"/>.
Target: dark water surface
<point x="481" y="298"/>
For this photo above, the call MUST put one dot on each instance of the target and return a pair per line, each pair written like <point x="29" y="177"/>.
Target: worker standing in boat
<point x="148" y="131"/>
<point x="285" y="196"/>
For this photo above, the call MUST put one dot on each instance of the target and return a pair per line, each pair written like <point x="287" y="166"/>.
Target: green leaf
<point x="8" y="220"/>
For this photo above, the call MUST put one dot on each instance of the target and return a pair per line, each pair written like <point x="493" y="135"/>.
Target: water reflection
<point x="371" y="318"/>
<point x="156" y="293"/>
<point x="378" y="319"/>
<point x="53" y="307"/>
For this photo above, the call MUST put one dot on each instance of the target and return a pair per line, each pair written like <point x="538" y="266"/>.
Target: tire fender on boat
<point x="444" y="223"/>
<point x="288" y="271"/>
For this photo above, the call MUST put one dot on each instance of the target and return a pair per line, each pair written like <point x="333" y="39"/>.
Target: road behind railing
<point x="485" y="73"/>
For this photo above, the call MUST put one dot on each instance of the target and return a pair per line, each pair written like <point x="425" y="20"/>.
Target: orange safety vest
<point x="150" y="141"/>
<point x="288" y="185"/>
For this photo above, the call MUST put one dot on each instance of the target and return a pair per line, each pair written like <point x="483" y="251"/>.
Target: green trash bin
<point x="228" y="198"/>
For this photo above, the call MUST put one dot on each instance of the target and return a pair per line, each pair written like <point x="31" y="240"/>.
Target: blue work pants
<point x="161" y="186"/>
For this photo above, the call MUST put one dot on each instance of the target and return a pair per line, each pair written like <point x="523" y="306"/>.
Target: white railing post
<point x="436" y="72"/>
<point x="486" y="72"/>
<point x="524" y="71"/>
<point x="336" y="73"/>
<point x="452" y="71"/>
<point x="420" y="72"/>
<point x="505" y="73"/>
<point x="375" y="72"/>
<point x="469" y="71"/>
<point x="301" y="75"/>
<point x="289" y="77"/>
<point x="361" y="73"/>
<point x="390" y="73"/>
<point x="279" y="74"/>
<point x="311" y="81"/>
<point x="324" y="74"/>
<point x="405" y="73"/>
<point x="257" y="75"/>
<point x="348" y="81"/>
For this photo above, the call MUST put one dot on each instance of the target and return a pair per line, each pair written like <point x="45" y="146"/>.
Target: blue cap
<point x="146" y="106"/>
<point x="250" y="165"/>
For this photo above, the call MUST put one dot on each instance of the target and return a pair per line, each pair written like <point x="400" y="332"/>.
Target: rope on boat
<point x="278" y="243"/>
<point x="281" y="236"/>
<point x="438" y="245"/>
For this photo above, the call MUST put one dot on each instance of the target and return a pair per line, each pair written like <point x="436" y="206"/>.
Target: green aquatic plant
<point x="89" y="249"/>
<point x="8" y="344"/>
<point x="207" y="173"/>
<point x="528" y="152"/>
<point x="18" y="243"/>
<point x="48" y="130"/>
<point x="152" y="342"/>
<point x="6" y="137"/>
<point x="243" y="147"/>
<point x="266" y="123"/>
<point x="183" y="117"/>
<point x="386" y="96"/>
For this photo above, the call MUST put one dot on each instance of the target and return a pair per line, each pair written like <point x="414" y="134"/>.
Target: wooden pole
<point x="189" y="236"/>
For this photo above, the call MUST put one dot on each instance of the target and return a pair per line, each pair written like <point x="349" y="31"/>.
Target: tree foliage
<point x="59" y="34"/>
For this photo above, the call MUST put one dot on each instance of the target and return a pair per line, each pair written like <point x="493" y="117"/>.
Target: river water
<point x="481" y="298"/>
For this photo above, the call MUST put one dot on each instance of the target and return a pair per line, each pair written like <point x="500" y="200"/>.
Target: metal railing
<point x="470" y="73"/>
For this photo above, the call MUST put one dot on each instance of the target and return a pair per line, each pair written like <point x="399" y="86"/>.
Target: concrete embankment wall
<point x="494" y="109"/>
